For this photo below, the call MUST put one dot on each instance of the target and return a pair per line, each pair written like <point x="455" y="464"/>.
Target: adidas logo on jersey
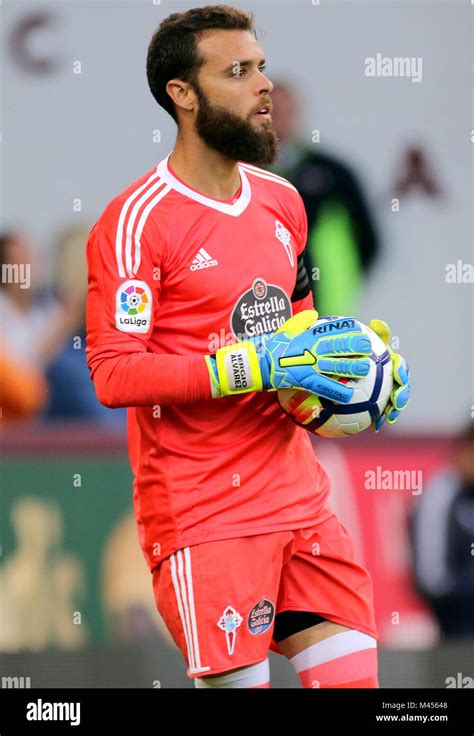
<point x="202" y="260"/>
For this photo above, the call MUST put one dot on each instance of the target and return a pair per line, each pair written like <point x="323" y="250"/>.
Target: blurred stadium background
<point x="388" y="178"/>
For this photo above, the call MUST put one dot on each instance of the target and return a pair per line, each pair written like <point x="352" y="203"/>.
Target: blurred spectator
<point x="342" y="242"/>
<point x="442" y="539"/>
<point x="72" y="391"/>
<point x="31" y="331"/>
<point x="22" y="390"/>
<point x="42" y="334"/>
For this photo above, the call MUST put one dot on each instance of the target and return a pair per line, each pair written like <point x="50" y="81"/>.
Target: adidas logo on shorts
<point x="202" y="260"/>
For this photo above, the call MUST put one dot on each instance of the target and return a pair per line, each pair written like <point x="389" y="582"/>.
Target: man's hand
<point x="401" y="378"/>
<point x="295" y="356"/>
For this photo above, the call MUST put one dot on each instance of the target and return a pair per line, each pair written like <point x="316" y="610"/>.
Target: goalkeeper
<point x="199" y="308"/>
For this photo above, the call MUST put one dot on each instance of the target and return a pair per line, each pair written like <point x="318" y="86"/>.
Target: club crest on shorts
<point x="261" y="616"/>
<point x="229" y="622"/>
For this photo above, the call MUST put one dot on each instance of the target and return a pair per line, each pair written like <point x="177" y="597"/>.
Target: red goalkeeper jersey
<point x="174" y="275"/>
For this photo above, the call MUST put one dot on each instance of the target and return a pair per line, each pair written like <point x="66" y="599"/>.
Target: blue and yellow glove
<point x="400" y="395"/>
<point x="295" y="356"/>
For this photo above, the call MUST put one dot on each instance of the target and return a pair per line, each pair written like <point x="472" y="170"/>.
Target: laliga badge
<point x="133" y="307"/>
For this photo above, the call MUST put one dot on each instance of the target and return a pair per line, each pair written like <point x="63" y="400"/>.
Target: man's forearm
<point x="145" y="379"/>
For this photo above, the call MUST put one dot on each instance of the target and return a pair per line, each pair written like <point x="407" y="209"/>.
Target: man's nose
<point x="265" y="85"/>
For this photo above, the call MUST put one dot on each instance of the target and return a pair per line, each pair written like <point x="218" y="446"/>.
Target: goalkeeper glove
<point x="400" y="394"/>
<point x="295" y="356"/>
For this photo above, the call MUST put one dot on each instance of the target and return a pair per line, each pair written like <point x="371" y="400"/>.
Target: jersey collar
<point x="235" y="209"/>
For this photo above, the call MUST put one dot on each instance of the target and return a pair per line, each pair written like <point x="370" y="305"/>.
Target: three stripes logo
<point x="202" y="260"/>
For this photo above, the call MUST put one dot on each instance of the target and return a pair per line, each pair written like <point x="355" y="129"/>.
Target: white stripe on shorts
<point x="181" y="574"/>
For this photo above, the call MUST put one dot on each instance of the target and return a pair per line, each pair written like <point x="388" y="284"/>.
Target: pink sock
<point x="344" y="660"/>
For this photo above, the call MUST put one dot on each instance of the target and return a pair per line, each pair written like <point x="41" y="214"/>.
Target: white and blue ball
<point x="328" y="418"/>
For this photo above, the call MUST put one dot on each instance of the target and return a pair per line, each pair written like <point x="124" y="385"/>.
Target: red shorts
<point x="219" y="599"/>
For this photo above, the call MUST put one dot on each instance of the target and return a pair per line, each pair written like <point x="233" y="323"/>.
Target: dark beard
<point x="234" y="137"/>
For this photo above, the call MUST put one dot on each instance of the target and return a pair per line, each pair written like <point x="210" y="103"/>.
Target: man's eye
<point x="241" y="71"/>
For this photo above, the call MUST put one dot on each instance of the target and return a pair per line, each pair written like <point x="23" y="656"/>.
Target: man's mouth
<point x="264" y="112"/>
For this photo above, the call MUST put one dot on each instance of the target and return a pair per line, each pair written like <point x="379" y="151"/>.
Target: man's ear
<point x="182" y="94"/>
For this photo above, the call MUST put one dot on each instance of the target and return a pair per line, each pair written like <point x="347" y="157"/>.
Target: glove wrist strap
<point x="238" y="368"/>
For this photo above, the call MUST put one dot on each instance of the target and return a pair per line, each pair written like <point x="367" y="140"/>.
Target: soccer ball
<point x="328" y="418"/>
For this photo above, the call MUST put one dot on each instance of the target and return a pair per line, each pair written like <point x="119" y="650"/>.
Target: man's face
<point x="231" y="89"/>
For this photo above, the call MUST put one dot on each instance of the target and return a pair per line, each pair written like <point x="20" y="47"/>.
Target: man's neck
<point x="204" y="169"/>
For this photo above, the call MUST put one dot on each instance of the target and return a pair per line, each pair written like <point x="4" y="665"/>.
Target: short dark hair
<point x="173" y="53"/>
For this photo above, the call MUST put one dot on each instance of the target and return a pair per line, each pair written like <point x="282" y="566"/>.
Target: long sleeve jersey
<point x="173" y="276"/>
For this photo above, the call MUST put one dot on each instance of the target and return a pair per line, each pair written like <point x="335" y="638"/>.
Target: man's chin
<point x="263" y="161"/>
<point x="263" y="152"/>
<point x="260" y="159"/>
<point x="246" y="145"/>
